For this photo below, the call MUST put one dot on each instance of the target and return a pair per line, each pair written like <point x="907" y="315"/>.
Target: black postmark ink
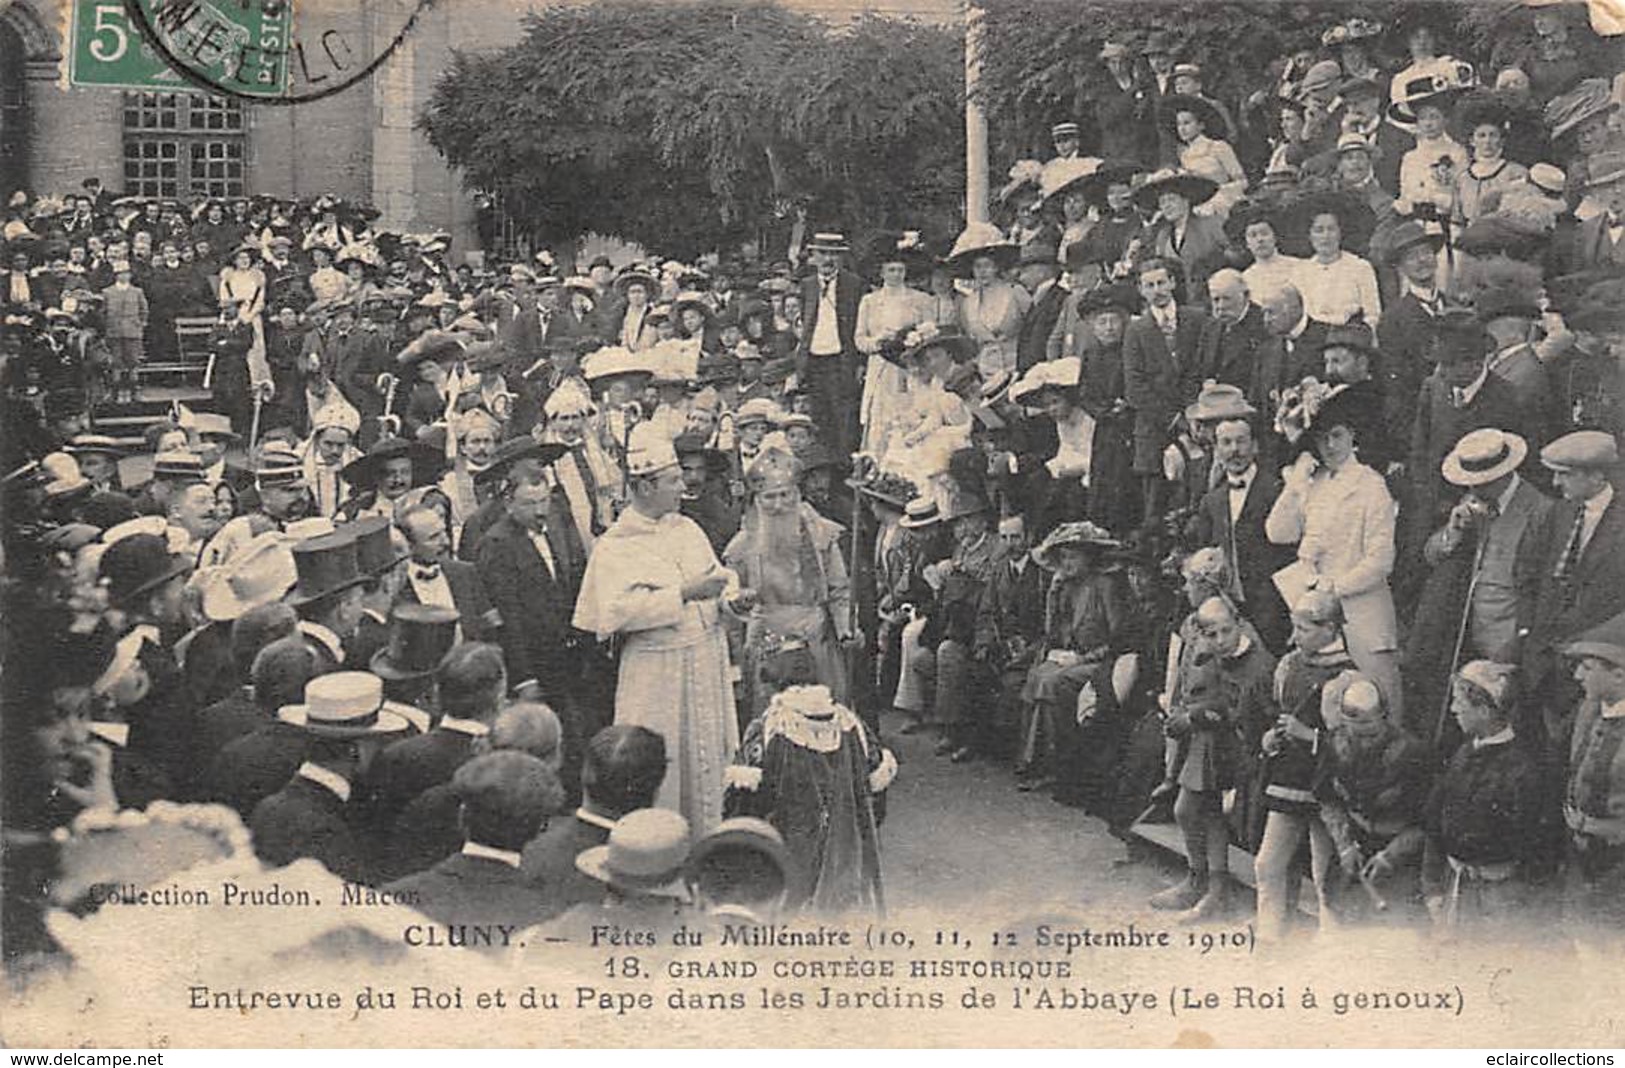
<point x="240" y="57"/>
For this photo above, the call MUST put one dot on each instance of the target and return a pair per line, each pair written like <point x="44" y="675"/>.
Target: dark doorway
<point x="13" y="111"/>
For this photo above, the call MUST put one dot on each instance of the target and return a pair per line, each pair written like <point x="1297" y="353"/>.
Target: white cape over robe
<point x="674" y="674"/>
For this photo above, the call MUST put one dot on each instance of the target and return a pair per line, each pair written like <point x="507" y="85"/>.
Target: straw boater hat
<point x="645" y="854"/>
<point x="1084" y="535"/>
<point x="828" y="241"/>
<point x="977" y="240"/>
<point x="1193" y="187"/>
<point x="347" y="705"/>
<point x="420" y="637"/>
<point x="1482" y="456"/>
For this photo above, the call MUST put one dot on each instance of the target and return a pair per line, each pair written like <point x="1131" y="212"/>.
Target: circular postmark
<point x="279" y="52"/>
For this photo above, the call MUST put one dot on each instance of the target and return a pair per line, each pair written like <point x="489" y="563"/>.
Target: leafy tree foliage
<point x="690" y="125"/>
<point x="1040" y="57"/>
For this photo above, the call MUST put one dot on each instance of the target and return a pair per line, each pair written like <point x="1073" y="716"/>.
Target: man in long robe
<point x="654" y="580"/>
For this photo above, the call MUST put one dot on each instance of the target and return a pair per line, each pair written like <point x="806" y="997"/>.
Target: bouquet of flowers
<point x="1296" y="407"/>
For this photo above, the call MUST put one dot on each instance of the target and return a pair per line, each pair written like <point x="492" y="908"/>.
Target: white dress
<point x="1216" y="160"/>
<point x="674" y="675"/>
<point x="880" y="315"/>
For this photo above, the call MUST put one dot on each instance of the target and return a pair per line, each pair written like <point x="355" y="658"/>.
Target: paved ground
<point x="958" y="836"/>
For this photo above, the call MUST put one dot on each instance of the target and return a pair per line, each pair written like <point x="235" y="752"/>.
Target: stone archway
<point x="27" y="46"/>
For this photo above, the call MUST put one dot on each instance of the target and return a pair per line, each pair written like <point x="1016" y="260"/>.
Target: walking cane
<point x="254" y="424"/>
<point x="1461" y="639"/>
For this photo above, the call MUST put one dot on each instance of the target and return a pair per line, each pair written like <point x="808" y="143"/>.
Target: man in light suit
<point x="1231" y="516"/>
<point x="505" y="798"/>
<point x="827" y="358"/>
<point x="1162" y="371"/>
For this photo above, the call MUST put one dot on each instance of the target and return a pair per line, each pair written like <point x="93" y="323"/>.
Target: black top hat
<point x="427" y="464"/>
<point x="327" y="564"/>
<point x="138" y="564"/>
<point x="374" y="548"/>
<point x="420" y="636"/>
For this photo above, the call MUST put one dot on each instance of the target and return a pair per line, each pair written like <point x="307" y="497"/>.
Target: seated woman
<point x="929" y="422"/>
<point x="1073" y="696"/>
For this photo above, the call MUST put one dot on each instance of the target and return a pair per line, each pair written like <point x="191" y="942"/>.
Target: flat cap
<point x="1581" y="450"/>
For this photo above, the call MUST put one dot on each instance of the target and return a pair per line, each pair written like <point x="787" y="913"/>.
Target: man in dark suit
<point x="1161" y="371"/>
<point x="623" y="770"/>
<point x="1010" y="626"/>
<point x="1571" y="573"/>
<point x="312" y="815"/>
<point x="1231" y="517"/>
<point x="255" y="765"/>
<point x="827" y="358"/>
<point x="434" y="577"/>
<point x="533" y="577"/>
<point x="1231" y="339"/>
<point x="1600" y="240"/>
<point x="472" y="684"/>
<point x="504" y="799"/>
<point x="1409" y="323"/>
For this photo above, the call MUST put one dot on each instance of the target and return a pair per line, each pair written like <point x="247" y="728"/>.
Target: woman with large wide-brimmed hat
<point x="991" y="309"/>
<point x="932" y="421"/>
<point x="1339" y="514"/>
<point x="1196" y="242"/>
<point x="1061" y="193"/>
<point x="885" y="315"/>
<point x="1336" y="284"/>
<point x="1198" y="128"/>
<point x="1072" y="696"/>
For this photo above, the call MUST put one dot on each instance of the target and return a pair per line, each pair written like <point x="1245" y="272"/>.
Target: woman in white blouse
<point x="242" y="286"/>
<point x="1193" y="120"/>
<point x="888" y="312"/>
<point x="1339" y="513"/>
<point x="1336" y="284"/>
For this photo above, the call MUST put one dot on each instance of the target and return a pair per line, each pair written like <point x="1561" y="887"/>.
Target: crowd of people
<point x="1256" y="473"/>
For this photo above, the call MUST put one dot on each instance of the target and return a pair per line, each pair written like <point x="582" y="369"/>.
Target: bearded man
<point x="791" y="557"/>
